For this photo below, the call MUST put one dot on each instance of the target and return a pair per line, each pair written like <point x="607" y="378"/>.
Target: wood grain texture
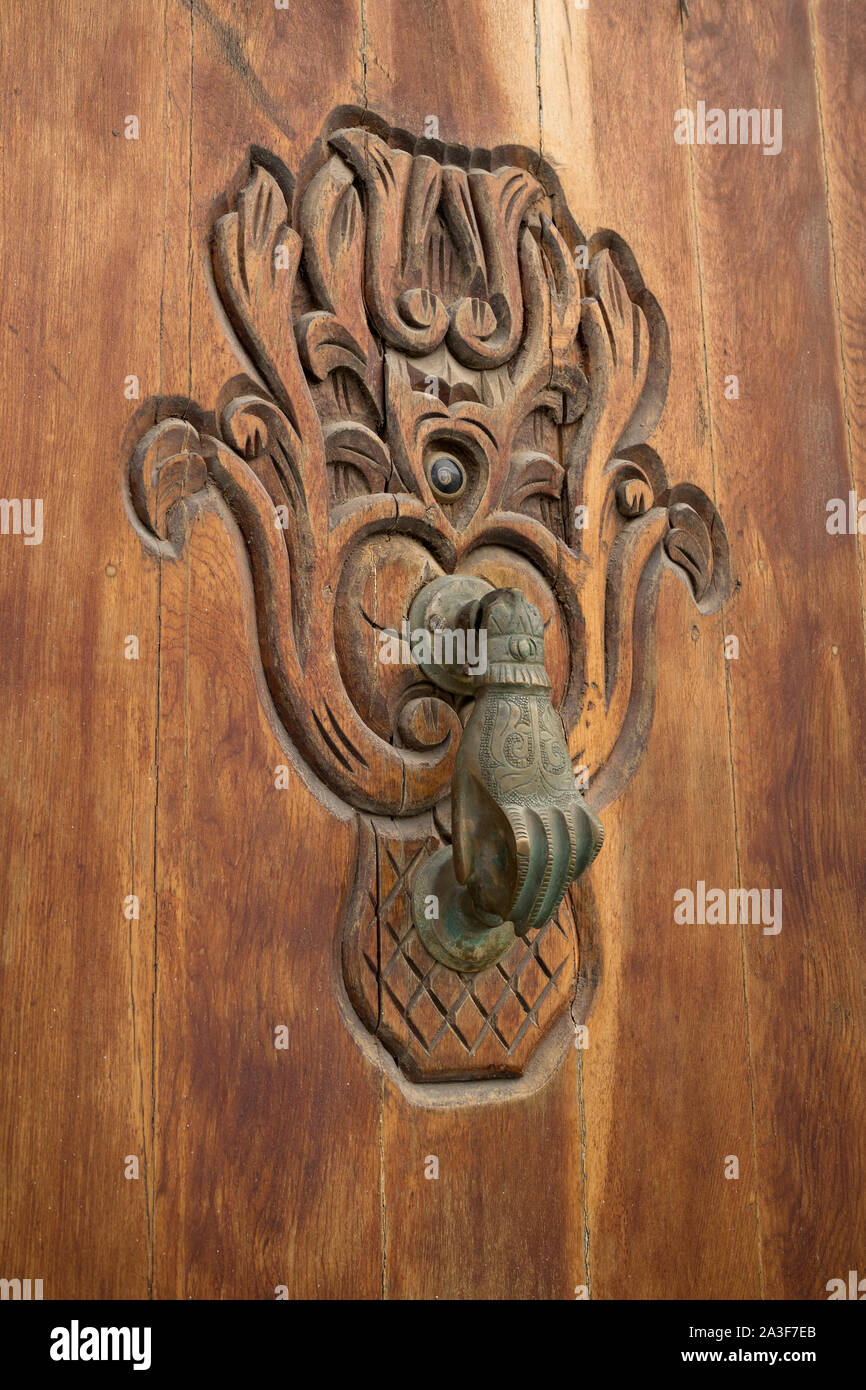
<point x="665" y="1080"/>
<point x="252" y="1139"/>
<point x="838" y="34"/>
<point x="408" y="80"/>
<point x="796" y="693"/>
<point x="303" y="1167"/>
<point x="490" y="1225"/>
<point x="79" y="720"/>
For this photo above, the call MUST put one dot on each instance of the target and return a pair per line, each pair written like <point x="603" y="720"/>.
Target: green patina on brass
<point x="521" y="830"/>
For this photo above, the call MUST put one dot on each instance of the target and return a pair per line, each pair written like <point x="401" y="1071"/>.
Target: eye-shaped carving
<point x="456" y="468"/>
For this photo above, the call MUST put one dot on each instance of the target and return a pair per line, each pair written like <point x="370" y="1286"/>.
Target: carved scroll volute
<point x="486" y="332"/>
<point x="621" y="517"/>
<point x="402" y="196"/>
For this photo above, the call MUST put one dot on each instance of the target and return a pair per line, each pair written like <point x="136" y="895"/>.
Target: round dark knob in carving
<point x="447" y="477"/>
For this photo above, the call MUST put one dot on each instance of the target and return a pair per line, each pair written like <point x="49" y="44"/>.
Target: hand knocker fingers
<point x="545" y="847"/>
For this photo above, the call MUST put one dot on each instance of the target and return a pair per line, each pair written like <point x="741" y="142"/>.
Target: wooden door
<point x="212" y="1086"/>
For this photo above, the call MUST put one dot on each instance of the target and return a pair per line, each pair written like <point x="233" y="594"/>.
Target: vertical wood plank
<point x="798" y="690"/>
<point x="256" y="1143"/>
<point x="839" y="42"/>
<point x="81" y="294"/>
<point x="504" y="1219"/>
<point x="666" y="1088"/>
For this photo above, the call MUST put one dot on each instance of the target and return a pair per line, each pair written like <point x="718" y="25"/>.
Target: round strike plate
<point x="436" y="608"/>
<point x="453" y="937"/>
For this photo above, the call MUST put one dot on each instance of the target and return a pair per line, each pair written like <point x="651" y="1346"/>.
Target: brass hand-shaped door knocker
<point x="442" y="421"/>
<point x="521" y="831"/>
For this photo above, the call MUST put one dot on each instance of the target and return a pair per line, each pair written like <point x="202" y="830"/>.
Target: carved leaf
<point x="401" y="203"/>
<point x="531" y="370"/>
<point x="338" y="334"/>
<point x="688" y="545"/>
<point x="256" y="257"/>
<point x="166" y="468"/>
<point x="618" y="344"/>
<point x="565" y="310"/>
<point x="356" y="454"/>
<point x="462" y="224"/>
<point x="489" y="335"/>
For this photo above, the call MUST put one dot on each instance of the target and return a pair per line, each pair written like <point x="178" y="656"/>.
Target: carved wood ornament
<point x="406" y="303"/>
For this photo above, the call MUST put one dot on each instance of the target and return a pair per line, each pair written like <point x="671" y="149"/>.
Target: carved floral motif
<point x="414" y="302"/>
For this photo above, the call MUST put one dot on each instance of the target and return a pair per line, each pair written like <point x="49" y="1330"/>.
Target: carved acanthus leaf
<point x="332" y="227"/>
<point x="248" y="243"/>
<point x="165" y="470"/>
